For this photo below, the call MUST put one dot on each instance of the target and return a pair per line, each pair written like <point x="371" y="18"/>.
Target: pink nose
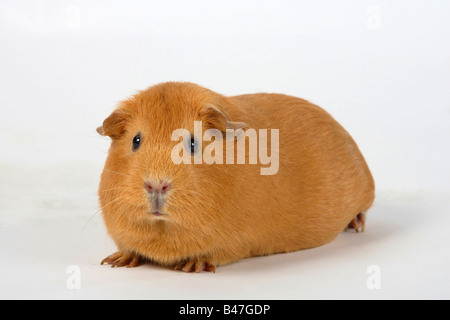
<point x="153" y="187"/>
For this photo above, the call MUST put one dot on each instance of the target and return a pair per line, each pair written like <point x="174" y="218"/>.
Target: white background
<point x="381" y="68"/>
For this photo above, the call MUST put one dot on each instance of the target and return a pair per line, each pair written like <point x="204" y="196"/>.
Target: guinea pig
<point x="196" y="215"/>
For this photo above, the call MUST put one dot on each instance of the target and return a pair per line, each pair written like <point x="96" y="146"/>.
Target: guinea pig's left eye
<point x="193" y="146"/>
<point x="137" y="142"/>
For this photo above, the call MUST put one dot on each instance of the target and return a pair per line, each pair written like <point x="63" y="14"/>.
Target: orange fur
<point x="218" y="214"/>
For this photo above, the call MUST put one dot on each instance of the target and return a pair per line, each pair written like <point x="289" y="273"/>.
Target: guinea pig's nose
<point x="160" y="187"/>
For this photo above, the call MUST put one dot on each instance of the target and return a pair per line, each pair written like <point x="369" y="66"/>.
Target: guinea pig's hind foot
<point x="195" y="265"/>
<point x="358" y="223"/>
<point x="122" y="259"/>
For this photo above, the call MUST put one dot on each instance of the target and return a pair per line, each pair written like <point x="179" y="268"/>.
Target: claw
<point x="121" y="259"/>
<point x="195" y="266"/>
<point x="358" y="223"/>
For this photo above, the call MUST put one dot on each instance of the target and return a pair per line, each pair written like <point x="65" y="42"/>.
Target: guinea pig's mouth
<point x="158" y="213"/>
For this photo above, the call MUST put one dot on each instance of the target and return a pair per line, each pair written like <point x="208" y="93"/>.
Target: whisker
<point x="119" y="154"/>
<point x="124" y="174"/>
<point x="100" y="210"/>
<point x="111" y="189"/>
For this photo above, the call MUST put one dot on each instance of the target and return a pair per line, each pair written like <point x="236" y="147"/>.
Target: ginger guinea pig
<point x="196" y="215"/>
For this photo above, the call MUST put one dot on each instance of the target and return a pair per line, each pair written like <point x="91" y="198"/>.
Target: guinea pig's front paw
<point x="122" y="259"/>
<point x="197" y="265"/>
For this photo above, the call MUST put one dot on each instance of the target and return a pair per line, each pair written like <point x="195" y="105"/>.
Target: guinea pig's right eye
<point x="137" y="142"/>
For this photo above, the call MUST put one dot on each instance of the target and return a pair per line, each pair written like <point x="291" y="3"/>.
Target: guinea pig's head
<point x="141" y="183"/>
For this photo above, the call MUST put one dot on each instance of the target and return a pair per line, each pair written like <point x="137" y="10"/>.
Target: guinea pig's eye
<point x="137" y="142"/>
<point x="193" y="145"/>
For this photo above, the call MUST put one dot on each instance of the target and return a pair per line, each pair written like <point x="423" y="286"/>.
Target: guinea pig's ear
<point x="216" y="119"/>
<point x="114" y="125"/>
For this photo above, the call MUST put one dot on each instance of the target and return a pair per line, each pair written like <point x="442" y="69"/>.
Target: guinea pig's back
<point x="323" y="181"/>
